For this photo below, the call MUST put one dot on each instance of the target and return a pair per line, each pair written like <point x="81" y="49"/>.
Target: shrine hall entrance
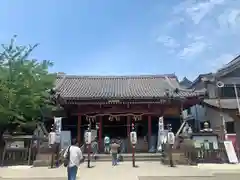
<point x="114" y="127"/>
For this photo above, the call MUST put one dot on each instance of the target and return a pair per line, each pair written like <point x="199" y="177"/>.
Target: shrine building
<point x="111" y="104"/>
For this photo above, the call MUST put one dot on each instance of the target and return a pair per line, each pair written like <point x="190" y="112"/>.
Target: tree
<point x="24" y="85"/>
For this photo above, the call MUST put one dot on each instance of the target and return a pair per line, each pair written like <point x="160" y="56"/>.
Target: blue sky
<point x="126" y="37"/>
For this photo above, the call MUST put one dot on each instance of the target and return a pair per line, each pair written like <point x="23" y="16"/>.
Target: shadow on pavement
<point x="216" y="176"/>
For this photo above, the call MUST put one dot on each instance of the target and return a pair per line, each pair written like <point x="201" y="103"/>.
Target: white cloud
<point x="220" y="61"/>
<point x="230" y="20"/>
<point x="168" y="41"/>
<point x="206" y="33"/>
<point x="175" y="21"/>
<point x="197" y="10"/>
<point x="192" y="49"/>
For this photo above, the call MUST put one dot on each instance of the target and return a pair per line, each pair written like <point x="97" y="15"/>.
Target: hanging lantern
<point x="137" y="118"/>
<point x="117" y="118"/>
<point x="97" y="126"/>
<point x="88" y="118"/>
<point x="110" y="118"/>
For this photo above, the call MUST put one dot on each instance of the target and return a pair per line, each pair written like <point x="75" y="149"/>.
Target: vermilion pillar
<point x="100" y="133"/>
<point x="149" y="127"/>
<point x="128" y="131"/>
<point x="79" y="129"/>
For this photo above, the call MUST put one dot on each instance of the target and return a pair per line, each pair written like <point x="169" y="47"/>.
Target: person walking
<point x="73" y="157"/>
<point x="114" y="151"/>
<point x="106" y="144"/>
<point x="95" y="148"/>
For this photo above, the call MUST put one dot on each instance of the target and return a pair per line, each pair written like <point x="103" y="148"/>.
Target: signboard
<point x="171" y="112"/>
<point x="15" y="144"/>
<point x="65" y="139"/>
<point x="231" y="154"/>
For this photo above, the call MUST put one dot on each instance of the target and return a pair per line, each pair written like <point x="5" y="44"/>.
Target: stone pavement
<point x="104" y="171"/>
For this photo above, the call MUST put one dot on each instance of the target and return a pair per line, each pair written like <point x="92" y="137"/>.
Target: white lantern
<point x="88" y="137"/>
<point x="133" y="137"/>
<point x="51" y="138"/>
<point x="170" y="138"/>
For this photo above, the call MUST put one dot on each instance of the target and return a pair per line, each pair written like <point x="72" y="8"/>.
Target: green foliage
<point x="24" y="85"/>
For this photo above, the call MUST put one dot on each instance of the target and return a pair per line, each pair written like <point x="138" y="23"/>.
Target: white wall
<point x="202" y="114"/>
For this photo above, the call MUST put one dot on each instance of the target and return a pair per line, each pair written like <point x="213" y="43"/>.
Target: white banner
<point x="160" y="133"/>
<point x="58" y="124"/>
<point x="161" y="124"/>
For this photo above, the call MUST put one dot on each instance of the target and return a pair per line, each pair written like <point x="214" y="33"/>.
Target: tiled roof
<point x="186" y="83"/>
<point x="199" y="79"/>
<point x="225" y="103"/>
<point x="229" y="67"/>
<point x="122" y="87"/>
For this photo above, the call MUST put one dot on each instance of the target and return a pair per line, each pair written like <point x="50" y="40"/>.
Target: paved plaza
<point x="145" y="171"/>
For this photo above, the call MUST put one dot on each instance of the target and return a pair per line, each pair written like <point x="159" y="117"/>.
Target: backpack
<point x="67" y="158"/>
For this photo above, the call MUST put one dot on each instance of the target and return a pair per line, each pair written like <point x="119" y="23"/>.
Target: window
<point x="228" y="91"/>
<point x="230" y="127"/>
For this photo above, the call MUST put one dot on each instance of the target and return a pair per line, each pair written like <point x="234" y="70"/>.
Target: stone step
<point x="41" y="163"/>
<point x="128" y="157"/>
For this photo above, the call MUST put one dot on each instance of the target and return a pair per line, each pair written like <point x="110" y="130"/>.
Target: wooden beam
<point x="116" y="109"/>
<point x="122" y="112"/>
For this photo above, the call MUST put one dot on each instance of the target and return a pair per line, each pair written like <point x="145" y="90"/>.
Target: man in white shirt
<point x="75" y="157"/>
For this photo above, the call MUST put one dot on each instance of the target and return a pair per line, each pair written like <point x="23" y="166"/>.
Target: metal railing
<point x="202" y="155"/>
